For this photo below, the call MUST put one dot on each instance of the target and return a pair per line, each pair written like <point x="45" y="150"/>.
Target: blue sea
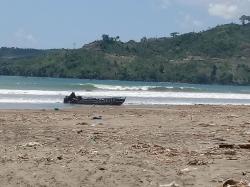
<point x="45" y="93"/>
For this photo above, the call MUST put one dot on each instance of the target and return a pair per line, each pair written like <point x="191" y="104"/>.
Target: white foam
<point x="32" y="92"/>
<point x="127" y="88"/>
<point x="31" y="101"/>
<point x="151" y="94"/>
<point x="139" y="94"/>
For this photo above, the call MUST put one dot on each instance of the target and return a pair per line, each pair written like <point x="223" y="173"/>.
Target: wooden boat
<point x="73" y="99"/>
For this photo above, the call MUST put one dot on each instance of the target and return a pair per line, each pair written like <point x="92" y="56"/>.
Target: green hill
<point x="219" y="55"/>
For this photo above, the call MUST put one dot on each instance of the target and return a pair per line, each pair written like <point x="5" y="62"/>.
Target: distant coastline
<point x="217" y="56"/>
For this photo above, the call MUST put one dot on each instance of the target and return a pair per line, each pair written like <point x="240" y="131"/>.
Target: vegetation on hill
<point x="219" y="55"/>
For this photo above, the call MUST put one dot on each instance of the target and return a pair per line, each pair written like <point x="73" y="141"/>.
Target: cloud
<point x="23" y="36"/>
<point x="168" y="3"/>
<point x="23" y="39"/>
<point x="163" y="3"/>
<point x="229" y="9"/>
<point x="187" y="22"/>
<point x="226" y="9"/>
<point x="223" y="10"/>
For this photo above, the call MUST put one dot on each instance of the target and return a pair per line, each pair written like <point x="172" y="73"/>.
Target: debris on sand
<point x="230" y="182"/>
<point x="31" y="144"/>
<point x="230" y="152"/>
<point x="60" y="157"/>
<point x="197" y="162"/>
<point x="23" y="156"/>
<point x="227" y="146"/>
<point x="82" y="123"/>
<point x="234" y="183"/>
<point x="207" y="124"/>
<point x="172" y="184"/>
<point x="61" y="148"/>
<point x="233" y="146"/>
<point x="97" y="118"/>
<point x="244" y="146"/>
<point x="155" y="150"/>
<point x="233" y="116"/>
<point x="79" y="131"/>
<point x="246" y="122"/>
<point x="186" y="170"/>
<point x="101" y="168"/>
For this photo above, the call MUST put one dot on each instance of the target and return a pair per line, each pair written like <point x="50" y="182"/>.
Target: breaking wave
<point x="49" y="92"/>
<point x="93" y="87"/>
<point x="127" y="93"/>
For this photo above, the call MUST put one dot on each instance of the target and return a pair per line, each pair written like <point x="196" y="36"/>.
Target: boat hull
<point x="94" y="101"/>
<point x="99" y="101"/>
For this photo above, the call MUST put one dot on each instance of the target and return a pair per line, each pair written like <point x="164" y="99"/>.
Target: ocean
<point x="45" y="93"/>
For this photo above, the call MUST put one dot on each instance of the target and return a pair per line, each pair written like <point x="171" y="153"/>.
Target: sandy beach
<point x="125" y="146"/>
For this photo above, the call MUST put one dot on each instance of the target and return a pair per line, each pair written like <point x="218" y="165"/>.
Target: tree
<point x="174" y="34"/>
<point x="248" y="19"/>
<point x="105" y="37"/>
<point x="117" y="38"/>
<point x="245" y="19"/>
<point x="144" y="40"/>
<point x="213" y="73"/>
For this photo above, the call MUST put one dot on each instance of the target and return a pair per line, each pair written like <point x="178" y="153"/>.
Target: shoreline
<point x="129" y="106"/>
<point x="124" y="146"/>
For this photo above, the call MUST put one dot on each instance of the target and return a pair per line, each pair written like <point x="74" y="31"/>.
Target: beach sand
<point x="125" y="146"/>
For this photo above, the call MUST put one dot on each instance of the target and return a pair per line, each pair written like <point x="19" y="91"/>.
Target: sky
<point x="44" y="24"/>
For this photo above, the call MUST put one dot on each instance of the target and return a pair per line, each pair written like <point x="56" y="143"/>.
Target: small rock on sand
<point x="82" y="123"/>
<point x="97" y="118"/>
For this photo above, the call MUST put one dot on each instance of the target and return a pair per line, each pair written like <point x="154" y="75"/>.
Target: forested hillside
<point x="219" y="55"/>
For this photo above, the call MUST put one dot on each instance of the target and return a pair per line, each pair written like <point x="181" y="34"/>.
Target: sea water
<point x="33" y="92"/>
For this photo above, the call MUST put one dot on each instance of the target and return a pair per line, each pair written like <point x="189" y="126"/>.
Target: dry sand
<point x="128" y="146"/>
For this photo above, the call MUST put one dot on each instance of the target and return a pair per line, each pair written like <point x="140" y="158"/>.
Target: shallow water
<point x="33" y="92"/>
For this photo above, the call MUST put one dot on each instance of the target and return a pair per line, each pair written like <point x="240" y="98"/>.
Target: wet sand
<point x="125" y="146"/>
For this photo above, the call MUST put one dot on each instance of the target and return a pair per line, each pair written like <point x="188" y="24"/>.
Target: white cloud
<point x="187" y="22"/>
<point x="23" y="36"/>
<point x="227" y="9"/>
<point x="223" y="10"/>
<point x="168" y="3"/>
<point x="163" y="3"/>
